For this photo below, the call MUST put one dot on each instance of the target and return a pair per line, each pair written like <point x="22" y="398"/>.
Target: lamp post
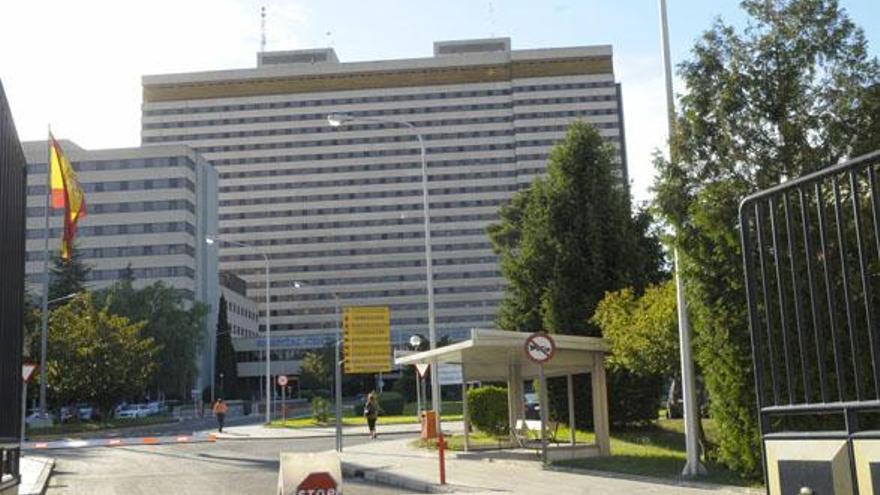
<point x="338" y="120"/>
<point x="265" y="256"/>
<point x="43" y="345"/>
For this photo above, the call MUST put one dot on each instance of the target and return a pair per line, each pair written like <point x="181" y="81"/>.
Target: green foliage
<point x="316" y="371"/>
<point x="571" y="237"/>
<point x="633" y="399"/>
<point x="487" y="407"/>
<point x="642" y="331"/>
<point x="781" y="99"/>
<point x="67" y="276"/>
<point x="320" y="410"/>
<point x="96" y="356"/>
<point x="225" y="365"/>
<point x="868" y="137"/>
<point x="174" y="323"/>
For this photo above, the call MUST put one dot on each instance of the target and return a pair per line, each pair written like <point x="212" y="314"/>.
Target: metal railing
<point x="10" y="455"/>
<point x="811" y="256"/>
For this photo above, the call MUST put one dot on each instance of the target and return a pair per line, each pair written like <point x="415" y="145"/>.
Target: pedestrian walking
<point x="220" y="409"/>
<point x="371" y="412"/>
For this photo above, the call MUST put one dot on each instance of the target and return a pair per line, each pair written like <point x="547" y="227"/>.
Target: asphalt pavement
<point x="243" y="466"/>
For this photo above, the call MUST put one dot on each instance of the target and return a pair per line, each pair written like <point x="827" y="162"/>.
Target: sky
<point x="76" y="65"/>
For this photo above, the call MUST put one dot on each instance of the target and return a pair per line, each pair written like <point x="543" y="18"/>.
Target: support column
<point x="600" y="405"/>
<point x="571" y="425"/>
<point x="511" y="420"/>
<point x="466" y="414"/>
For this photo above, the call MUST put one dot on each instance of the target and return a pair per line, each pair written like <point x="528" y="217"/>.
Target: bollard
<point x="441" y="446"/>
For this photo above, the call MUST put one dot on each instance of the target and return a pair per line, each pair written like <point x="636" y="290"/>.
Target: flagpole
<point x="45" y="327"/>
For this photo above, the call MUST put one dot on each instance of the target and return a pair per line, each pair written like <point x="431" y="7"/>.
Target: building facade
<point x="149" y="209"/>
<point x="340" y="209"/>
<point x="13" y="177"/>
<point x="242" y="312"/>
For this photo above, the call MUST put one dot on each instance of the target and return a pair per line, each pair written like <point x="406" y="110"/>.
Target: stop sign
<point x="318" y="484"/>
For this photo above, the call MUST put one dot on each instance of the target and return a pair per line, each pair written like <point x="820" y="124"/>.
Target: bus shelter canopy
<point x="489" y="354"/>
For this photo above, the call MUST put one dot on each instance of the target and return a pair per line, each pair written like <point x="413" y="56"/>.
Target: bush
<point x="487" y="407"/>
<point x="633" y="400"/>
<point x="320" y="410"/>
<point x="390" y="404"/>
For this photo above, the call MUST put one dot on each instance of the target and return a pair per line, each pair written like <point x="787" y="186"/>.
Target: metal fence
<point x="811" y="255"/>
<point x="10" y="457"/>
<point x="12" y="234"/>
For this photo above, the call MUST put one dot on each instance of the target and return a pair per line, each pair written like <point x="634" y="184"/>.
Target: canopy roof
<point x="488" y="355"/>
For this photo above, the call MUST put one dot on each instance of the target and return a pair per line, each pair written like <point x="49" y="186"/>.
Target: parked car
<point x="35" y="417"/>
<point x="67" y="413"/>
<point x="155" y="408"/>
<point x="133" y="411"/>
<point x="85" y="412"/>
<point x="532" y="406"/>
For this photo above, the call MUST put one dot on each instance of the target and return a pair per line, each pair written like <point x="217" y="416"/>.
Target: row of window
<point x="379" y="222"/>
<point x="463" y="246"/>
<point x="357" y="127"/>
<point x="125" y="251"/>
<point x="434" y="164"/>
<point x="447" y="136"/>
<point x="120" y="164"/>
<point x="385" y="293"/>
<point x="299" y="117"/>
<point x="367" y="195"/>
<point x="329" y="310"/>
<point x="384" y="279"/>
<point x="125" y="229"/>
<point x="475" y="320"/>
<point x="367" y="265"/>
<point x="366" y="181"/>
<point x="240" y="310"/>
<point x="379" y="99"/>
<point x="398" y="207"/>
<point x="432" y="152"/>
<point x="383" y="236"/>
<point x="124" y="185"/>
<point x="144" y="273"/>
<point x="133" y="207"/>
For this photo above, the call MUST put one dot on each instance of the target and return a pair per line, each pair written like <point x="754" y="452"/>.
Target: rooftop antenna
<point x="262" y="29"/>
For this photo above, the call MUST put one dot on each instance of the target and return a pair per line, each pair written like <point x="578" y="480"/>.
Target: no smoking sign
<point x="540" y="347"/>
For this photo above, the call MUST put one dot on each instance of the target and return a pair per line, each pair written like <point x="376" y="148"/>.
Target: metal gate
<point x="811" y="255"/>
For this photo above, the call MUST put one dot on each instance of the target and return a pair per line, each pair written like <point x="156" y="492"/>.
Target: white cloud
<point x="78" y="65"/>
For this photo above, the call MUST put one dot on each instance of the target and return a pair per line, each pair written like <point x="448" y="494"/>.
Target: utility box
<point x="429" y="425"/>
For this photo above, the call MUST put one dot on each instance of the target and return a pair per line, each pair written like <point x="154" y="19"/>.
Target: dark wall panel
<point x="12" y="207"/>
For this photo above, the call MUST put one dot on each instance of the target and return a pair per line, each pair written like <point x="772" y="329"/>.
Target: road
<point x="225" y="467"/>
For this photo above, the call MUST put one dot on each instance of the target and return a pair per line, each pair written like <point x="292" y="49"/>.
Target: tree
<point x="316" y="371"/>
<point x="174" y="323"/>
<point x="225" y="363"/>
<point x="567" y="240"/>
<point x="783" y="98"/>
<point x="642" y="331"/>
<point x="868" y="135"/>
<point x="571" y="237"/>
<point x="67" y="276"/>
<point x="96" y="356"/>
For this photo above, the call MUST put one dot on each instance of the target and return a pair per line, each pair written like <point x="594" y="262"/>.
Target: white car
<point x="133" y="411"/>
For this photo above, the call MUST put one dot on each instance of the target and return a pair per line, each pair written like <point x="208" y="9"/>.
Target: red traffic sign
<point x="28" y="370"/>
<point x="282" y="380"/>
<point x="317" y="484"/>
<point x="540" y="347"/>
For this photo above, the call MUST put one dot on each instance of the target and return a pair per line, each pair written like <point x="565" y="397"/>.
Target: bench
<point x="530" y="430"/>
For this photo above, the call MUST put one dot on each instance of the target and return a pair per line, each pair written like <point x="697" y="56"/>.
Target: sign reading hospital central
<point x="367" y="339"/>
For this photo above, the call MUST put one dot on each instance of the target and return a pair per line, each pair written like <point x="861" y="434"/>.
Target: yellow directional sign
<point x="367" y="339"/>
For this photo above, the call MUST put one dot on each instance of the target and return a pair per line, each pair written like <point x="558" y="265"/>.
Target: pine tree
<point x="225" y="356"/>
<point x="68" y="276"/>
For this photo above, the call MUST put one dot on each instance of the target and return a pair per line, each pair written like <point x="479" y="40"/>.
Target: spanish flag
<point x="66" y="193"/>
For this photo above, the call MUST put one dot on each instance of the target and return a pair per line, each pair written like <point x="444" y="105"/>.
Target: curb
<point x="313" y="435"/>
<point x="656" y="480"/>
<point x="376" y="475"/>
<point x="43" y="479"/>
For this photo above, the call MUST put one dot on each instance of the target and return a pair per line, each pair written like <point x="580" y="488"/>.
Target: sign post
<point x="27" y="371"/>
<point x="540" y="348"/>
<point x="282" y="382"/>
<point x="421" y="369"/>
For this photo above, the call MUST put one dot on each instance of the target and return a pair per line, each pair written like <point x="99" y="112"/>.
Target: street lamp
<point x="210" y="241"/>
<point x="340" y="119"/>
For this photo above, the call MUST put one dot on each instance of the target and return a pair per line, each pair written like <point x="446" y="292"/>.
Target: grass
<point x="657" y="451"/>
<point x="93" y="426"/>
<point x="451" y="412"/>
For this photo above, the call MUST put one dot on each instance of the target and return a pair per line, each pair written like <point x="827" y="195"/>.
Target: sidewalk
<point x="395" y="462"/>
<point x="259" y="431"/>
<point x="35" y="472"/>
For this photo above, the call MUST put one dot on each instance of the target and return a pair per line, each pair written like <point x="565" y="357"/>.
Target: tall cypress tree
<point x="225" y="356"/>
<point x="67" y="276"/>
